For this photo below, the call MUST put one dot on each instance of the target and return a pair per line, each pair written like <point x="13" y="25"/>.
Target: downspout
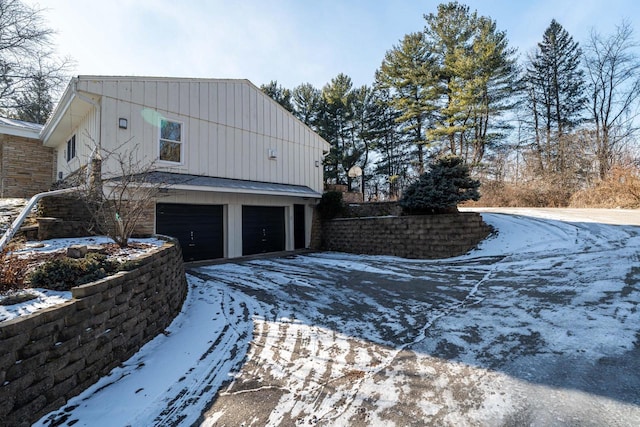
<point x="15" y="226"/>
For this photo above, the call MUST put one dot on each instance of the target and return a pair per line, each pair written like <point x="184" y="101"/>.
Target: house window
<point x="170" y="141"/>
<point x="71" y="148"/>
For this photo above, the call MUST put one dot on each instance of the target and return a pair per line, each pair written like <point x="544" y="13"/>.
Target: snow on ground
<point x="538" y="326"/>
<point x="44" y="298"/>
<point x="39" y="299"/>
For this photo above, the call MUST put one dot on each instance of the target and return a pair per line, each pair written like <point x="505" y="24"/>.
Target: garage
<point x="263" y="229"/>
<point x="198" y="228"/>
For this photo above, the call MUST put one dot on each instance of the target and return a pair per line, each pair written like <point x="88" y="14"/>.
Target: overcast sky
<point x="291" y="41"/>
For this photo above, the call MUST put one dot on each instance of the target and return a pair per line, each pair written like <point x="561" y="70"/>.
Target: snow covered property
<point x="241" y="174"/>
<point x="539" y="326"/>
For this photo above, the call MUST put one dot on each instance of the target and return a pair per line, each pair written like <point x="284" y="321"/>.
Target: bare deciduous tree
<point x="26" y="56"/>
<point x="119" y="203"/>
<point x="613" y="70"/>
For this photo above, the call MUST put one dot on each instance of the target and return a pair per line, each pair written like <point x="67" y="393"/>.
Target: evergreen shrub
<point x="446" y="183"/>
<point x="330" y="205"/>
<point x="62" y="274"/>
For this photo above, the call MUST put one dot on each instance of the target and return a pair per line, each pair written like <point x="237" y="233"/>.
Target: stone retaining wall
<point x="68" y="216"/>
<point x="358" y="210"/>
<point x="54" y="354"/>
<point x="420" y="236"/>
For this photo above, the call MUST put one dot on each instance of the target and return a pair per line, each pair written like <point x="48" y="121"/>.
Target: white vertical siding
<point x="229" y="127"/>
<point x="86" y="133"/>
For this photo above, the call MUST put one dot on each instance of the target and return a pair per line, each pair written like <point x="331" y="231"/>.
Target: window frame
<point x="71" y="152"/>
<point x="180" y="142"/>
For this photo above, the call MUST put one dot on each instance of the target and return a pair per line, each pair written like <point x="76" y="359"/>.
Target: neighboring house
<point x="26" y="166"/>
<point x="243" y="174"/>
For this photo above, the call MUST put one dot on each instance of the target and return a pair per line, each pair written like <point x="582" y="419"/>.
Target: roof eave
<point x="23" y="133"/>
<point x="58" y="113"/>
<point x="312" y="195"/>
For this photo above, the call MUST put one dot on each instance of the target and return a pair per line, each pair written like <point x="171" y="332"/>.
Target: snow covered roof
<point x="19" y="128"/>
<point x="226" y="185"/>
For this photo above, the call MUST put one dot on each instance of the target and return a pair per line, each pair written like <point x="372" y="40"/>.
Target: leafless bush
<point x="12" y="270"/>
<point x="620" y="190"/>
<point x="118" y="204"/>
<point x="537" y="193"/>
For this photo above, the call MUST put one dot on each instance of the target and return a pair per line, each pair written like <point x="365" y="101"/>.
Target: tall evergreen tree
<point x="35" y="103"/>
<point x="279" y="94"/>
<point x="448" y="33"/>
<point x="555" y="89"/>
<point x="390" y="144"/>
<point x="477" y="75"/>
<point x="306" y="104"/>
<point x="335" y="126"/>
<point x="408" y="72"/>
<point x="27" y="66"/>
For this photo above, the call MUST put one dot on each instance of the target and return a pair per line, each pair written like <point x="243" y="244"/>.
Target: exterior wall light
<point x="123" y="123"/>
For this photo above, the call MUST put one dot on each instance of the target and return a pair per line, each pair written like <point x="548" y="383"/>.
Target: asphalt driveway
<point x="540" y="326"/>
<point x="546" y="332"/>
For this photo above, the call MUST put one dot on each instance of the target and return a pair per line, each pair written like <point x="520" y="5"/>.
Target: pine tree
<point x="556" y="97"/>
<point x="35" y="103"/>
<point x="279" y="94"/>
<point x="392" y="148"/>
<point x="306" y="104"/>
<point x="28" y="68"/>
<point x="477" y="80"/>
<point x="408" y="73"/>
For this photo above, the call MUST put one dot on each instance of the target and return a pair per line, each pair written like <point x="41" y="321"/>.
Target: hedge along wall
<point x="54" y="354"/>
<point x="420" y="236"/>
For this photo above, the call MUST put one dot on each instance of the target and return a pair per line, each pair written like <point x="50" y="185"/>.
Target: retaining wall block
<point x="52" y="355"/>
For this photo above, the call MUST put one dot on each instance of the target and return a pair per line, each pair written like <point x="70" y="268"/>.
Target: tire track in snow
<point x="148" y="389"/>
<point x="328" y="392"/>
<point x="223" y="355"/>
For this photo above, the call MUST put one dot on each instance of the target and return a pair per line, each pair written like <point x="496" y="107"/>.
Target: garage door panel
<point x="198" y="228"/>
<point x="263" y="229"/>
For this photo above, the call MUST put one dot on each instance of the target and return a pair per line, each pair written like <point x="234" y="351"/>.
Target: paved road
<point x="602" y="216"/>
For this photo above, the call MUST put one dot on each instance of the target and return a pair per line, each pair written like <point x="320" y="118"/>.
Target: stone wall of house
<point x="420" y="236"/>
<point x="26" y="167"/>
<point x="54" y="354"/>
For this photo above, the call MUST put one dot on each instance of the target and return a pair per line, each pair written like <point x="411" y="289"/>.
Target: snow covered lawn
<point x="539" y="326"/>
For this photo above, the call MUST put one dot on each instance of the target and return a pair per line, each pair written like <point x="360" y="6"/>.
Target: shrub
<point x="441" y="188"/>
<point x="537" y="193"/>
<point x="620" y="190"/>
<point x="65" y="273"/>
<point x="11" y="271"/>
<point x="330" y="205"/>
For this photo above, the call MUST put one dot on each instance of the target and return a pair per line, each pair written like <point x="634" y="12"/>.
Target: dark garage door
<point x="262" y="229"/>
<point x="298" y="227"/>
<point x="198" y="228"/>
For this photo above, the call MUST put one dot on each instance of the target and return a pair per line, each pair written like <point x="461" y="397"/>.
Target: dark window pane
<point x="169" y="151"/>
